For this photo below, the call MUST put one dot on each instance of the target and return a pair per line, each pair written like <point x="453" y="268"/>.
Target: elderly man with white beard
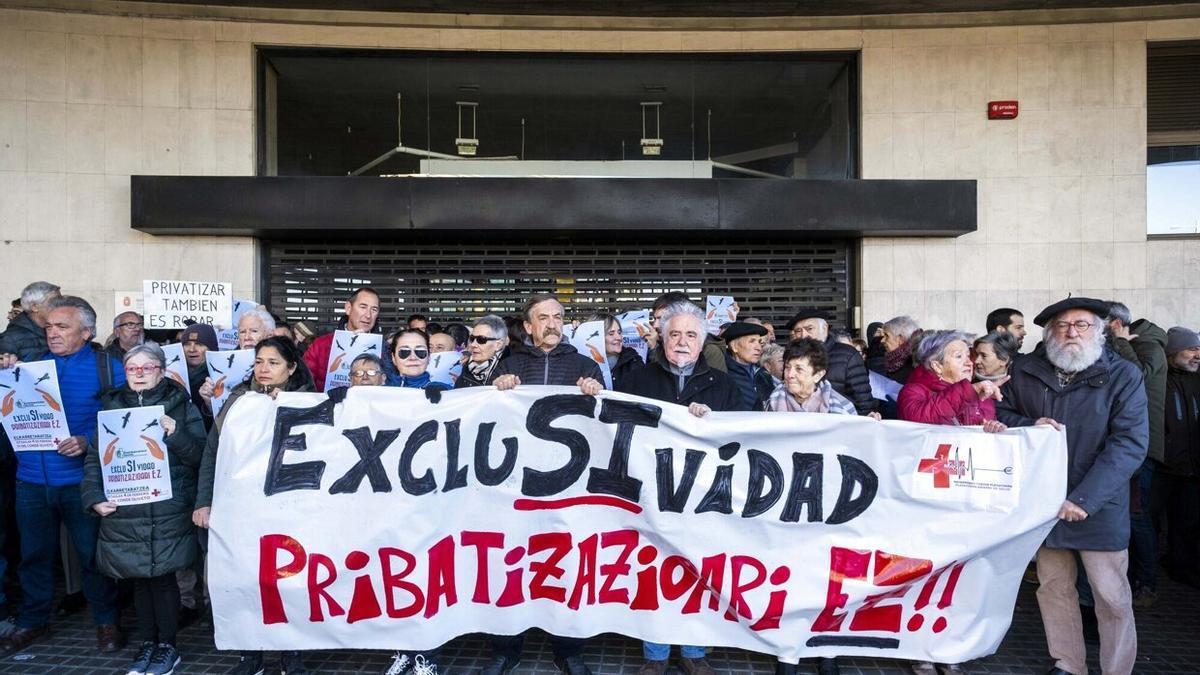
<point x="1073" y="381"/>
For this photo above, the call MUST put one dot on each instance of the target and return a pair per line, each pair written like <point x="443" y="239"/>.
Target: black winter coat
<point x="1104" y="410"/>
<point x="561" y="366"/>
<point x="149" y="540"/>
<point x="705" y="385"/>
<point x="754" y="384"/>
<point x="848" y="375"/>
<point x="1148" y="352"/>
<point x="1181" y="424"/>
<point x="627" y="362"/>
<point x="24" y="338"/>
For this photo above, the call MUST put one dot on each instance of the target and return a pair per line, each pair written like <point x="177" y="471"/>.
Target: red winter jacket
<point x="929" y="399"/>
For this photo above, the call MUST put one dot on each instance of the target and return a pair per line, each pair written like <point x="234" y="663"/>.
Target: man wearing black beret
<point x="847" y="373"/>
<point x="1072" y="380"/>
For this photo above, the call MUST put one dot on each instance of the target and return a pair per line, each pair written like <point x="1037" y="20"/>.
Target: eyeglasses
<point x="365" y="373"/>
<point x="481" y="339"/>
<point x="142" y="370"/>
<point x="405" y="352"/>
<point x="129" y="324"/>
<point x="1081" y="326"/>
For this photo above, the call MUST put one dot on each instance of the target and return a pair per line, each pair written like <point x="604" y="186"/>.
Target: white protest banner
<point x="177" y="368"/>
<point x="169" y="304"/>
<point x="719" y="310"/>
<point x="588" y="340"/>
<point x="346" y="347"/>
<point x="31" y="406"/>
<point x="388" y="521"/>
<point x="635" y="326"/>
<point x="228" y="370"/>
<point x="133" y="455"/>
<point x="445" y="367"/>
<point x="227" y="337"/>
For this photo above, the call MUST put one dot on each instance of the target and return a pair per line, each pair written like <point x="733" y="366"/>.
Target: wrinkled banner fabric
<point x="387" y="521"/>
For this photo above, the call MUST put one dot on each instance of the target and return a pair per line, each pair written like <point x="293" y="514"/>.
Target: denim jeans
<point x="40" y="511"/>
<point x="653" y="651"/>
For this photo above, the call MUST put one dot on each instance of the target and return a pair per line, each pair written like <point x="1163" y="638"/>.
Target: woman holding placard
<point x="278" y="366"/>
<point x="622" y="360"/>
<point x="148" y="542"/>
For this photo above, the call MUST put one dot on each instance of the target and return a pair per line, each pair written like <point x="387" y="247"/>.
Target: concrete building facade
<point x="94" y="92"/>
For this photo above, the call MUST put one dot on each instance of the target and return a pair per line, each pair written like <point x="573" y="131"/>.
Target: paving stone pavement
<point x="1168" y="636"/>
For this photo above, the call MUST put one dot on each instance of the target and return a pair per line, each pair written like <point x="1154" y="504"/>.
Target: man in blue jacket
<point x="47" y="493"/>
<point x="1073" y="380"/>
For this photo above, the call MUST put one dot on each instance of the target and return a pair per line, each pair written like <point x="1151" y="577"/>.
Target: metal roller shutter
<point x="453" y="281"/>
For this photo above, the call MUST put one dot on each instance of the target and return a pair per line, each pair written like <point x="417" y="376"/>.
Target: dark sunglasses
<point x="405" y="352"/>
<point x="481" y="339"/>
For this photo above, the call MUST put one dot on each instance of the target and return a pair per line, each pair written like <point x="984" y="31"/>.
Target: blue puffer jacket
<point x="79" y="384"/>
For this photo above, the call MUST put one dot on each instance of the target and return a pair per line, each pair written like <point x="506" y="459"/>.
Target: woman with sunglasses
<point x="278" y="366"/>
<point x="410" y="356"/>
<point x="486" y="347"/>
<point x="148" y="543"/>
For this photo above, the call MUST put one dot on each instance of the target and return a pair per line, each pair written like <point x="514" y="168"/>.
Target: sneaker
<point x="653" y="668"/>
<point x="166" y="657"/>
<point x="400" y="664"/>
<point x="696" y="666"/>
<point x="1144" y="597"/>
<point x="424" y="667"/>
<point x="572" y="665"/>
<point x="924" y="668"/>
<point x="500" y="665"/>
<point x="291" y="663"/>
<point x="142" y="662"/>
<point x="249" y="664"/>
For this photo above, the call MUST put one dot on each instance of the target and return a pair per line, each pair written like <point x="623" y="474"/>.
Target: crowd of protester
<point x="1127" y="392"/>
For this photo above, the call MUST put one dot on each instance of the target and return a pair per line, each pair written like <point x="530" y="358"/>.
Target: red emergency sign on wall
<point x="1002" y="110"/>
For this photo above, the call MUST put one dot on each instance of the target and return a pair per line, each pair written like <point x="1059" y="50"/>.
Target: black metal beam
<point x="302" y="207"/>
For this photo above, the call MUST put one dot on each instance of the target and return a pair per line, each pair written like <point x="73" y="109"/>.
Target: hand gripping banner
<point x="386" y="521"/>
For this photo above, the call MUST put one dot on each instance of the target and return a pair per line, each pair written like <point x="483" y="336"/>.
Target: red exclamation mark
<point x="917" y="620"/>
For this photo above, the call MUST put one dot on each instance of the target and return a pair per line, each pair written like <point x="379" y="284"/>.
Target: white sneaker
<point x="422" y="667"/>
<point x="400" y="664"/>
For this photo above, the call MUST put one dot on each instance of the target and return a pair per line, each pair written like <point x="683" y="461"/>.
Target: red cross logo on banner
<point x="155" y="493"/>
<point x="941" y="466"/>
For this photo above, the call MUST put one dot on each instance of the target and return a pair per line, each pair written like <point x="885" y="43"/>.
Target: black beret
<point x="739" y="329"/>
<point x="1098" y="307"/>
<point x="808" y="313"/>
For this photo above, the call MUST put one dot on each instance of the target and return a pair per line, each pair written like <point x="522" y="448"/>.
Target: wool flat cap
<point x="1097" y="307"/>
<point x="739" y="329"/>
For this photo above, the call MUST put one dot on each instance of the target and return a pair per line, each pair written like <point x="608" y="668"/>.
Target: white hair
<point x="87" y="315"/>
<point x="678" y="309"/>
<point x="1068" y="360"/>
<point x="263" y="315"/>
<point x="496" y="325"/>
<point x="901" y="326"/>
<point x="38" y="293"/>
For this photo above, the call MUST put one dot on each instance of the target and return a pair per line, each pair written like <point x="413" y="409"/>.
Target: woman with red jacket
<point x="940" y="391"/>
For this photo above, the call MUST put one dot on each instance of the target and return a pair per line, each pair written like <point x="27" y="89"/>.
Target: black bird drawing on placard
<point x="596" y="334"/>
<point x="125" y="419"/>
<point x="369" y="348"/>
<point x="174" y="360"/>
<point x="109" y="431"/>
<point x="43" y="378"/>
<point x="339" y="345"/>
<point x="17" y="374"/>
<point x="231" y="358"/>
<point x="353" y="339"/>
<point x="153" y="423"/>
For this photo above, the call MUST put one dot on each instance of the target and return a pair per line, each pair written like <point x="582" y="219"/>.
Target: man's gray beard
<point x="1070" y="361"/>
